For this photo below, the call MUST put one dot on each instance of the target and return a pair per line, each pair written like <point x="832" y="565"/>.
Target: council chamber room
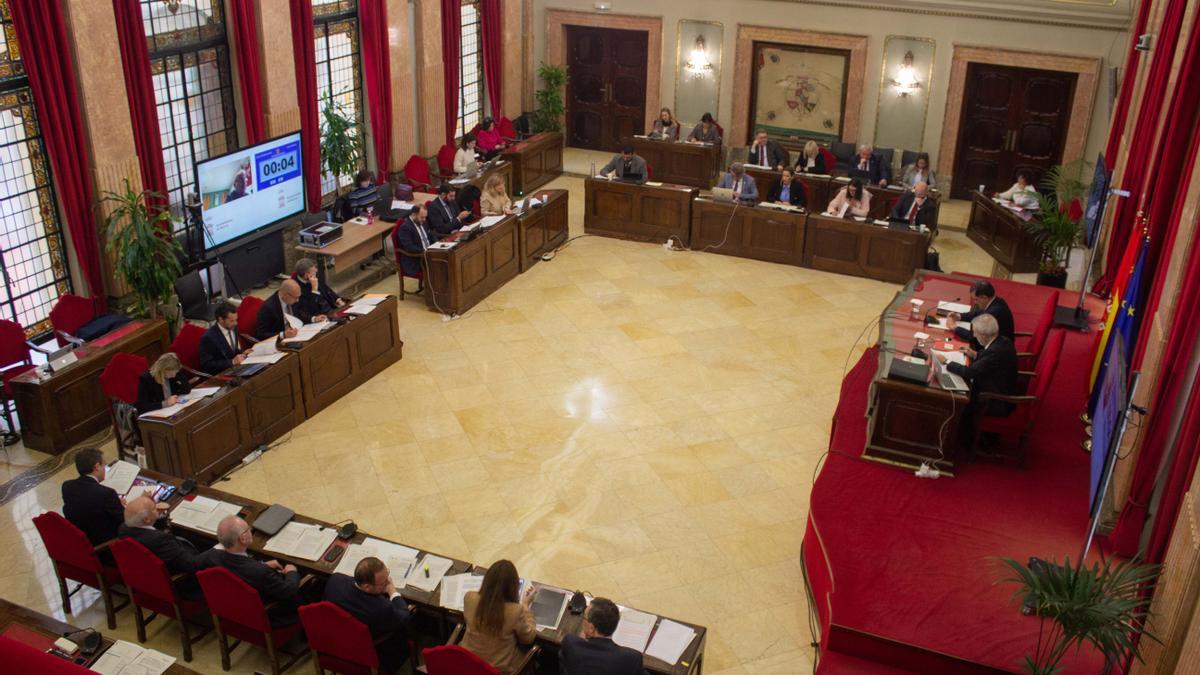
<point x="588" y="337"/>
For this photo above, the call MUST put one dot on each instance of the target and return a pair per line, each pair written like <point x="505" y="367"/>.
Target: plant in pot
<point x="145" y="254"/>
<point x="1058" y="224"/>
<point x="550" y="106"/>
<point x="341" y="143"/>
<point x="1104" y="605"/>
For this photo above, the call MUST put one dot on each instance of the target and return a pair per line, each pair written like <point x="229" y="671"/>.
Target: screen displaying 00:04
<point x="249" y="189"/>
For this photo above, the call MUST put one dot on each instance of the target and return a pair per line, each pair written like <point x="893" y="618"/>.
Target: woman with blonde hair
<point x="495" y="201"/>
<point x="162" y="384"/>
<point x="498" y="618"/>
<point x="811" y="160"/>
<point x="665" y="127"/>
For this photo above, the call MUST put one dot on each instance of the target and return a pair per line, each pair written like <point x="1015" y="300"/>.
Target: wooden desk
<point x="1001" y="232"/>
<point x="864" y="249"/>
<point x="457" y="279"/>
<point x="65" y="408"/>
<point x="337" y="361"/>
<point x="816" y="186"/>
<point x="535" y="161"/>
<point x="360" y="241"/>
<point x="883" y="199"/>
<point x="636" y="211"/>
<point x="757" y="232"/>
<point x="694" y="164"/>
<point x="502" y="168"/>
<point x="543" y="229"/>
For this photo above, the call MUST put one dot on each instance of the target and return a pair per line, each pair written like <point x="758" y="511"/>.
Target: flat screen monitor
<point x="1096" y="202"/>
<point x="246" y="191"/>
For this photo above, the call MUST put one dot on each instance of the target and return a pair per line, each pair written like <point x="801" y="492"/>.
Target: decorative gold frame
<point x="719" y="67"/>
<point x="928" y="84"/>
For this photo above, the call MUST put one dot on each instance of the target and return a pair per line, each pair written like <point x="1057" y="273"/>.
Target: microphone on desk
<point x="928" y="314"/>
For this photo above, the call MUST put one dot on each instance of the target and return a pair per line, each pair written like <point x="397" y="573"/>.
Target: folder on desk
<point x="437" y="566"/>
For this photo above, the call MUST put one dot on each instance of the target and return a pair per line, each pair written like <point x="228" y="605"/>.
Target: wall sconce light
<point x="698" y="64"/>
<point x="905" y="81"/>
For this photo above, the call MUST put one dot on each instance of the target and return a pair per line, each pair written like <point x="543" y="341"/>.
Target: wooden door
<point x="606" y="92"/>
<point x="1013" y="119"/>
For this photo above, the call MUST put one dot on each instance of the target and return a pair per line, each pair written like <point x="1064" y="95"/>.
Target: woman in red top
<point x="488" y="138"/>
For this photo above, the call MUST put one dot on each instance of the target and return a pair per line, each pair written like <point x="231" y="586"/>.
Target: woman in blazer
<point x="665" y="127"/>
<point x="811" y="160"/>
<point x="705" y="131"/>
<point x="162" y="384"/>
<point x="851" y="200"/>
<point x="919" y="171"/>
<point x="495" y="201"/>
<point x="787" y="190"/>
<point x="497" y="619"/>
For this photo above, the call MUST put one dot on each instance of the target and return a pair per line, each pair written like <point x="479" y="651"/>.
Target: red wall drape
<point x="372" y="16"/>
<point x="46" y="54"/>
<point x="493" y="60"/>
<point x="245" y="37"/>
<point x="139" y="89"/>
<point x="304" y="53"/>
<point x="1125" y="96"/>
<point x="451" y="47"/>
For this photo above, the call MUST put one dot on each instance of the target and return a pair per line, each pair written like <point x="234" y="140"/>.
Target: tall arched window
<point x="470" y="69"/>
<point x="339" y="71"/>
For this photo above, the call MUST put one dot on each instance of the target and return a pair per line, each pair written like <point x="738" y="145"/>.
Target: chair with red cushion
<point x="649" y="171"/>
<point x="247" y="319"/>
<point x="19" y="657"/>
<point x="393" y="252"/>
<point x="14" y="360"/>
<point x="70" y="314"/>
<point x="720" y="130"/>
<point x="120" y="384"/>
<point x="153" y="588"/>
<point x="416" y="173"/>
<point x="238" y="611"/>
<point x="76" y="559"/>
<point x="1020" y="422"/>
<point x="445" y="161"/>
<point x="507" y="131"/>
<point x="186" y="346"/>
<point x="1037" y="337"/>
<point x="451" y="659"/>
<point x="829" y="158"/>
<point x="339" y="641"/>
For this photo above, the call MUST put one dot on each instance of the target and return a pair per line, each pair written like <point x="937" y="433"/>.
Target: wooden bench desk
<point x="864" y="249"/>
<point x="637" y="211"/>
<point x="535" y="161"/>
<point x="694" y="164"/>
<point x="757" y="232"/>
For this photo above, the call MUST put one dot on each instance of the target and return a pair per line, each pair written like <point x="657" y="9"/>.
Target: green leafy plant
<point x="1058" y="225"/>
<point x="138" y="234"/>
<point x="1104" y="605"/>
<point x="341" y="144"/>
<point x="550" y="106"/>
<point x="1069" y="181"/>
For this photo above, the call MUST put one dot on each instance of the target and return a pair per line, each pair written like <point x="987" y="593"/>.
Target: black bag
<point x="933" y="260"/>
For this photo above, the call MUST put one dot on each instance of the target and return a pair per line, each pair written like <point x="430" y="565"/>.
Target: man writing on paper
<point x="278" y="314"/>
<point x="274" y="582"/>
<point x="219" y="347"/>
<point x="593" y="652"/>
<point x="983" y="301"/>
<point x="371" y="597"/>
<point x="993" y="369"/>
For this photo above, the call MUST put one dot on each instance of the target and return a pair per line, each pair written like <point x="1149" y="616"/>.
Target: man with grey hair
<point x="273" y="316"/>
<point x="870" y="167"/>
<point x="141" y="514"/>
<point x="993" y="368"/>
<point x="275" y="582"/>
<point x="317" y="299"/>
<point x="744" y="188"/>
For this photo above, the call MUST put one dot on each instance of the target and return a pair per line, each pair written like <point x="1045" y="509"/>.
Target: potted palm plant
<point x="1058" y="225"/>
<point x="341" y="143"/>
<point x="1105" y="606"/>
<point x="550" y="106"/>
<point x="145" y="254"/>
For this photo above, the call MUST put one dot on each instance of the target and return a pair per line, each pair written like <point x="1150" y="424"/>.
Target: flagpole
<point x="1114" y="446"/>
<point x="1077" y="317"/>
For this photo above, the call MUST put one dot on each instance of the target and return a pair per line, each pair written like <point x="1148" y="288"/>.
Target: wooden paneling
<point x="535" y="161"/>
<point x="544" y="229"/>
<point x="1175" y="611"/>
<point x="756" y="232"/>
<point x="692" y="164"/>
<point x="637" y="211"/>
<point x="864" y="249"/>
<point x="910" y="423"/>
<point x="1002" y="234"/>
<point x="459" y="278"/>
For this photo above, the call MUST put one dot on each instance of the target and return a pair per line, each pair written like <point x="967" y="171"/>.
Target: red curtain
<point x="493" y="60"/>
<point x="139" y="89"/>
<point x="451" y="47"/>
<point x="46" y="54"/>
<point x="304" y="52"/>
<point x="245" y="37"/>
<point x="1132" y="59"/>
<point x="372" y="16"/>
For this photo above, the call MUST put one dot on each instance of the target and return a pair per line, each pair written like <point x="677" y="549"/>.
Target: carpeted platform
<point x="908" y="559"/>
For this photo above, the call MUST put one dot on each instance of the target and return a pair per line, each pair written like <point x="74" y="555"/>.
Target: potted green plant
<point x="550" y="106"/>
<point x="145" y="254"/>
<point x="341" y="143"/>
<point x="1058" y="224"/>
<point x="1105" y="605"/>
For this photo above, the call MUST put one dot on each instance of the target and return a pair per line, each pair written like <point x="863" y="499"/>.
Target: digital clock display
<point x="277" y="165"/>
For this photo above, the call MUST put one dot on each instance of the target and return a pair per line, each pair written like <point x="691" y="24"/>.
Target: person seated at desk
<point x="490" y="140"/>
<point x="1022" y="193"/>
<point x="371" y="597"/>
<point x="812" y="160"/>
<point x="274" y="581"/>
<point x="219" y="346"/>
<point x="495" y="201"/>
<point x="626" y="166"/>
<point x="239" y="187"/>
<point x="853" y="200"/>
<point x="497" y="619"/>
<point x="706" y="131"/>
<point x="412" y="236"/>
<point x="444" y="215"/>
<point x="94" y="508"/>
<point x="364" y="196"/>
<point x="870" y="167"/>
<point x="316" y="297"/>
<point x="465" y="156"/>
<point x="983" y="301"/>
<point x="919" y="172"/>
<point x="162" y="384"/>
<point x="179" y="555"/>
<point x="765" y="152"/>
<point x="278" y="315"/>
<point x="593" y="652"/>
<point x="745" y="189"/>
<point x="665" y="127"/>
<point x="787" y="190"/>
<point x="993" y="368"/>
<point x="914" y="208"/>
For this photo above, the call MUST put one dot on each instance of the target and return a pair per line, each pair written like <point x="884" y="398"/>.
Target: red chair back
<point x="1047" y="363"/>
<point x="247" y="315"/>
<point x="21" y="658"/>
<point x="455" y="660"/>
<point x="416" y="172"/>
<point x="445" y="159"/>
<point x="120" y="377"/>
<point x="239" y="607"/>
<point x="507" y="130"/>
<point x="1042" y="330"/>
<point x="341" y="642"/>
<point x="649" y="171"/>
<point x="69" y="314"/>
<point x="146" y="575"/>
<point x="13" y="348"/>
<point x="720" y="130"/>
<point x="68" y="546"/>
<point x="186" y="345"/>
<point x="830" y="159"/>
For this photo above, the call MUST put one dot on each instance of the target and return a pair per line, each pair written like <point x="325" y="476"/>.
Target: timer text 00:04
<point x="274" y="167"/>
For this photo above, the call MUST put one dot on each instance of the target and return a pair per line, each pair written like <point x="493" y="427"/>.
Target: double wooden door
<point x="1013" y="119"/>
<point x="606" y="92"/>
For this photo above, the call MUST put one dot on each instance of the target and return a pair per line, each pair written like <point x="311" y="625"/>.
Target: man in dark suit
<point x="412" y="236"/>
<point x="274" y="581"/>
<point x="219" y="347"/>
<point x="764" y="152"/>
<point x="593" y="652"/>
<point x="993" y="368"/>
<point x="316" y="297"/>
<point x="914" y="208"/>
<point x="94" y="508"/>
<point x="271" y="317"/>
<point x="870" y="167"/>
<point x="140" y="516"/>
<point x="371" y="597"/>
<point x="444" y="215"/>
<point x="983" y="301"/>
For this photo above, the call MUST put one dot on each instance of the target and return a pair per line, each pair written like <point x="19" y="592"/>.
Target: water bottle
<point x="593" y="169"/>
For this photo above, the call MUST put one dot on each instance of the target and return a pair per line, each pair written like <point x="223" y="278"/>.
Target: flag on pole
<point x="1123" y="319"/>
<point x="1124" y="272"/>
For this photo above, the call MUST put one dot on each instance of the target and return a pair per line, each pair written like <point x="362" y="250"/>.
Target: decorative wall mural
<point x="799" y="91"/>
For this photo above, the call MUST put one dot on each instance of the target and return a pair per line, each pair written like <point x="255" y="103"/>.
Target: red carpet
<point x="902" y="562"/>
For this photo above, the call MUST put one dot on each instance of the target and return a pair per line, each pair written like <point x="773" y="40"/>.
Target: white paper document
<point x="670" y="640"/>
<point x="399" y="559"/>
<point x="308" y="331"/>
<point x="358" y="309"/>
<point x="294" y="321"/>
<point x="126" y="658"/>
<point x="301" y="540"/>
<point x="262" y="358"/>
<point x="921" y="336"/>
<point x="939" y="322"/>
<point x="201" y="392"/>
<point x="428" y="572"/>
<point x="203" y="514"/>
<point x="168" y="411"/>
<point x="634" y="629"/>
<point x="488" y="221"/>
<point x="264" y="348"/>
<point x="120" y="476"/>
<point x="455" y="587"/>
<point x="957" y="307"/>
<point x="399" y="204"/>
<point x="371" y="299"/>
<point x="952" y="356"/>
<point x="443" y="246"/>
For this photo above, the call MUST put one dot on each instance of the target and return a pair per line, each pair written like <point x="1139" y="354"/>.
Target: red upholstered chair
<point x="186" y="346"/>
<point x="829" y="158"/>
<point x="19" y="657"/>
<point x="152" y="588"/>
<point x="14" y="360"/>
<point x="69" y="314"/>
<point x="445" y="160"/>
<point x="247" y="319"/>
<point x="120" y="384"/>
<point x="1037" y="337"/>
<point x="416" y="173"/>
<point x="393" y="252"/>
<point x="507" y="131"/>
<point x="452" y="659"/>
<point x="720" y="130"/>
<point x="238" y="611"/>
<point x="1020" y="422"/>
<point x="76" y="559"/>
<point x="338" y="641"/>
<point x="649" y="171"/>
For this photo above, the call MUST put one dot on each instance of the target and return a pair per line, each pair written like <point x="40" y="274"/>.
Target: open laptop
<point x="61" y="358"/>
<point x="721" y="194"/>
<point x="472" y="171"/>
<point x="939" y="376"/>
<point x="247" y="369"/>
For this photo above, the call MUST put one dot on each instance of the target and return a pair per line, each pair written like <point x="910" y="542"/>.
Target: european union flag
<point x="1128" y="317"/>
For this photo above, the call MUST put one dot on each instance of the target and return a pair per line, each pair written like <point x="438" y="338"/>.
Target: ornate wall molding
<point x="1112" y="15"/>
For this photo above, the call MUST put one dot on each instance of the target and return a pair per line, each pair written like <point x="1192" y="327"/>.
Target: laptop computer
<point x="247" y="369"/>
<point x="721" y="194"/>
<point x="472" y="171"/>
<point x="61" y="358"/>
<point x="945" y="379"/>
<point x="908" y="371"/>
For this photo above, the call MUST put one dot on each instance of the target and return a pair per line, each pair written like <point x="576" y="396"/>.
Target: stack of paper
<point x="399" y="559"/>
<point x="634" y="629"/>
<point x="263" y="358"/>
<point x="455" y="587"/>
<point x="126" y="658"/>
<point x="294" y="321"/>
<point x="488" y="221"/>
<point x="308" y="331"/>
<point x="203" y="513"/>
<point x="670" y="641"/>
<point x="957" y="307"/>
<point x="371" y="299"/>
<point x="401" y="205"/>
<point x="443" y="245"/>
<point x="428" y="572"/>
<point x="301" y="540"/>
<point x="952" y="356"/>
<point x="264" y="348"/>
<point x="120" y="476"/>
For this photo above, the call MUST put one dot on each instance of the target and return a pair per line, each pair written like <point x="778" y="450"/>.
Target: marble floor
<point x="626" y="420"/>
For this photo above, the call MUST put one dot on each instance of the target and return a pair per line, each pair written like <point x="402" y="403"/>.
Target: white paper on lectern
<point x="670" y="641"/>
<point x="634" y="629"/>
<point x="120" y="476"/>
